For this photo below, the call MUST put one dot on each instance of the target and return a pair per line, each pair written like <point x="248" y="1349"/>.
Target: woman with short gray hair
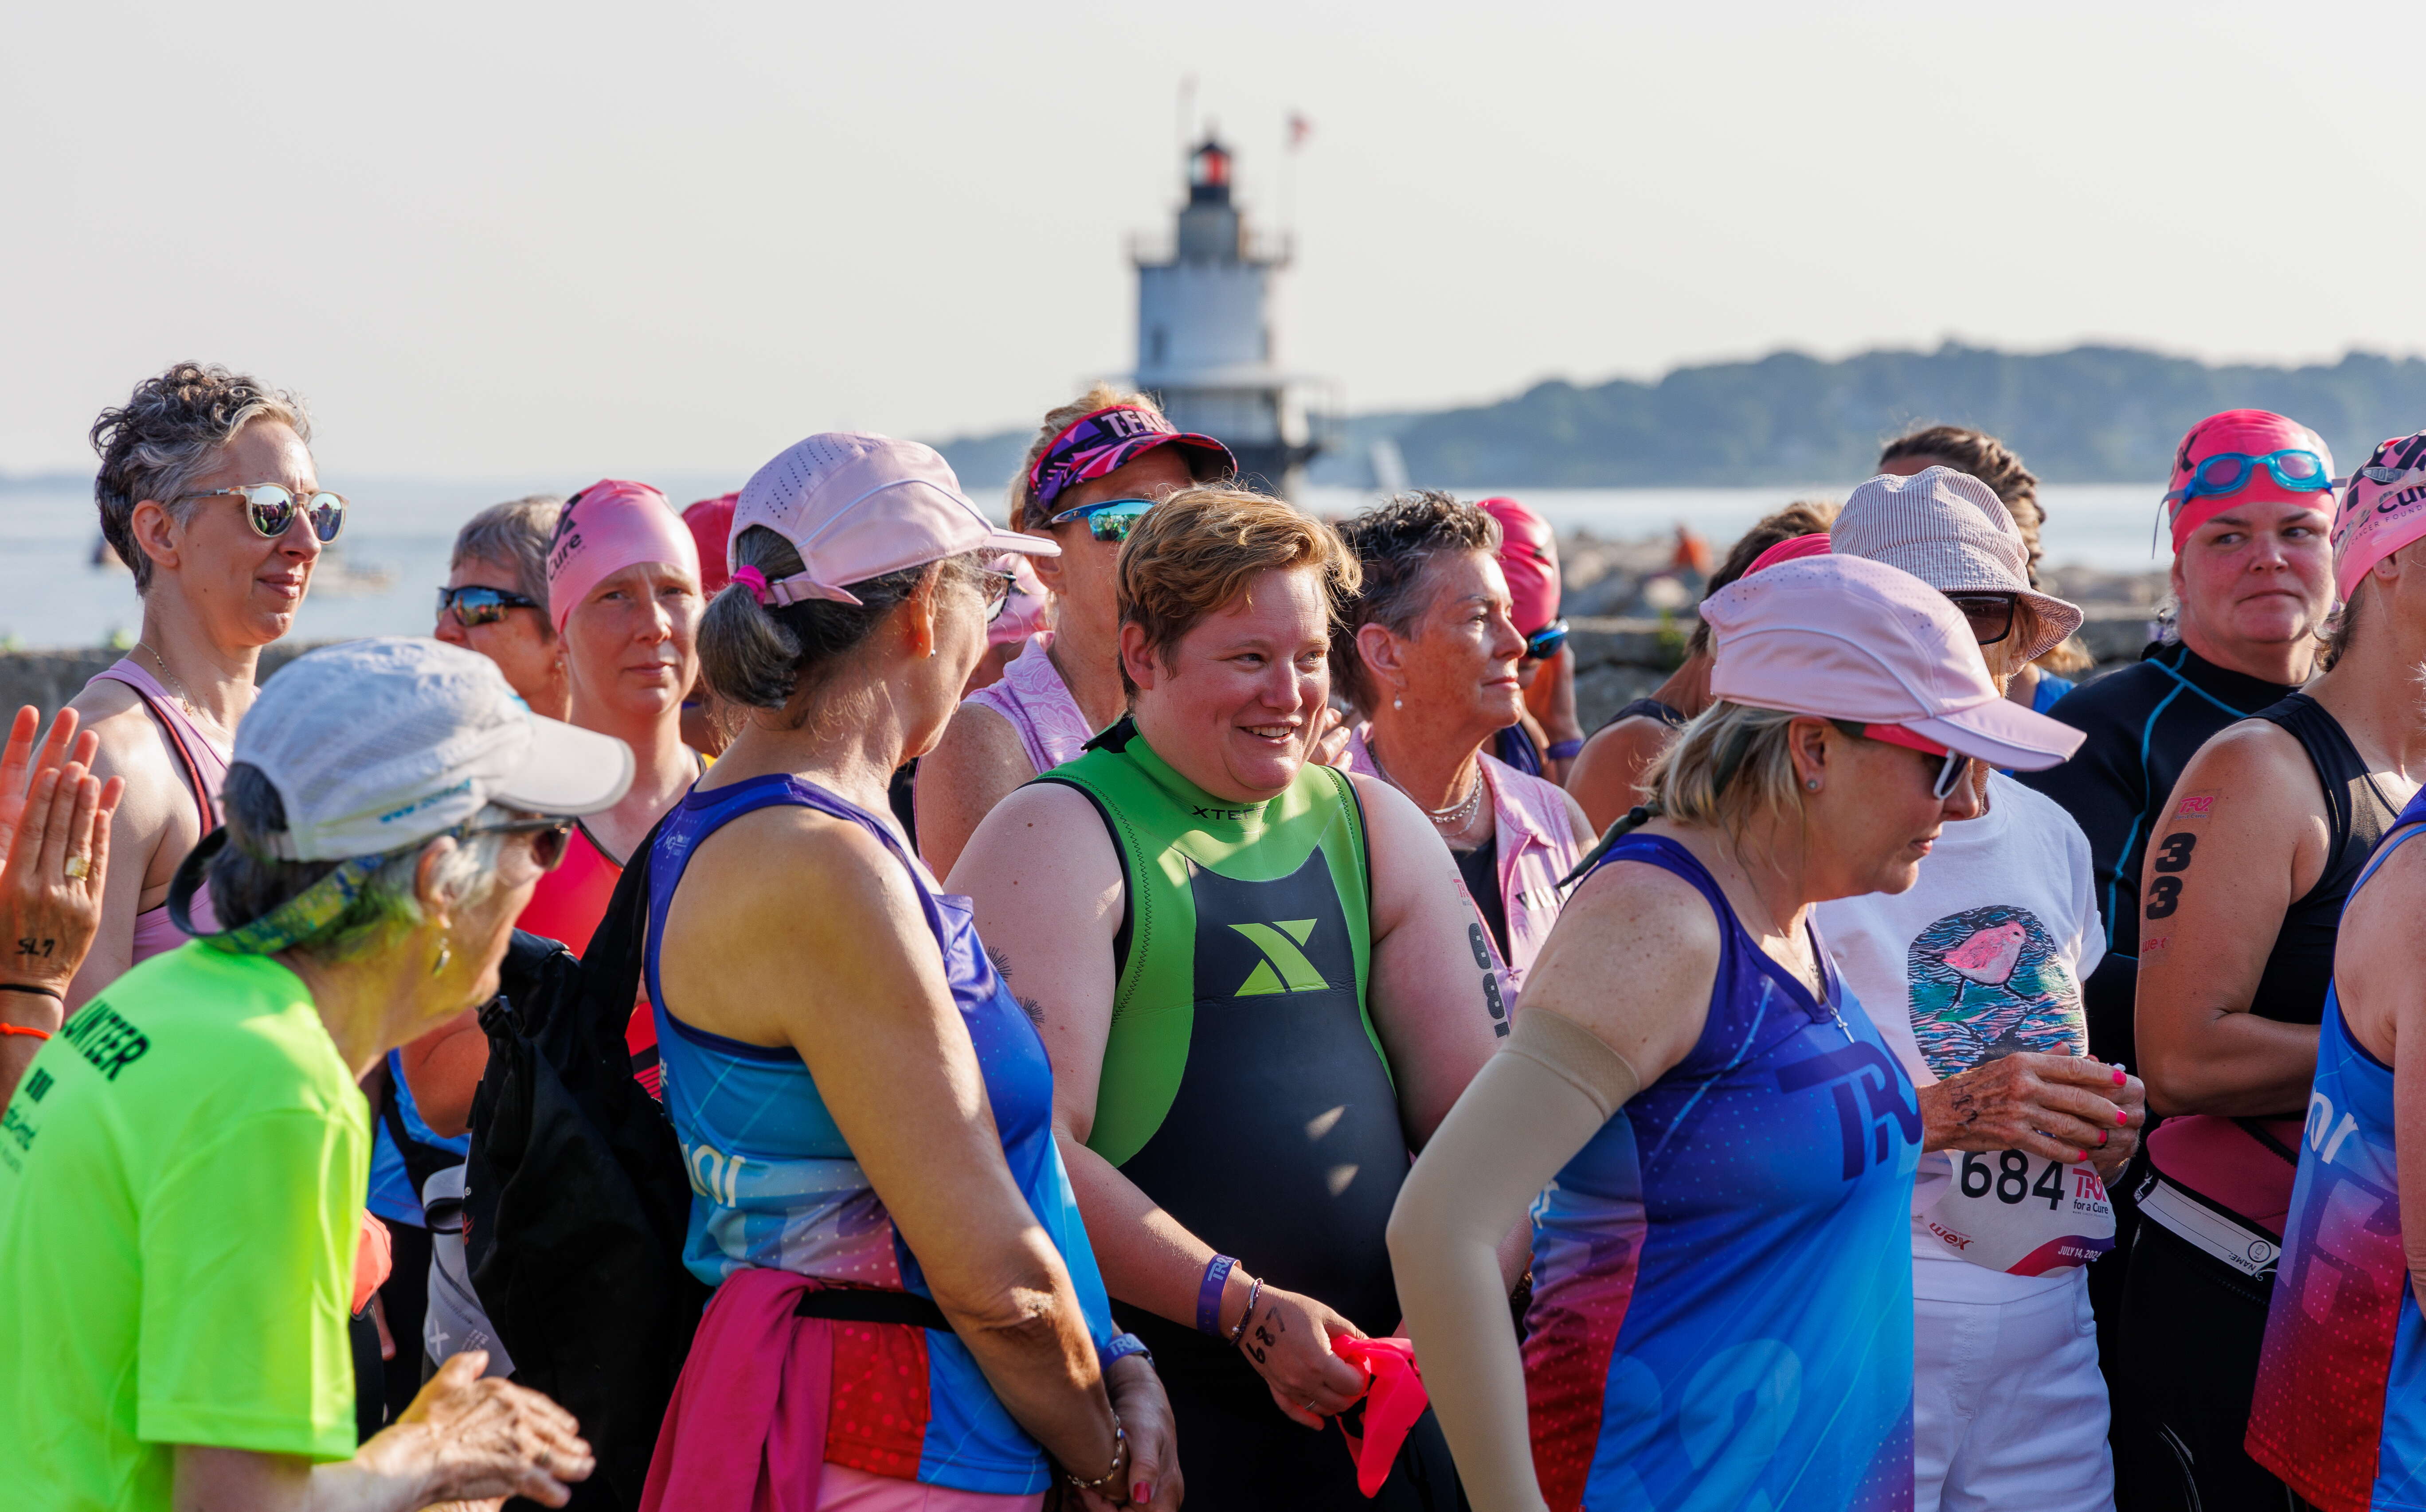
<point x="207" y="492"/>
<point x="195" y="1133"/>
<point x="495" y="599"/>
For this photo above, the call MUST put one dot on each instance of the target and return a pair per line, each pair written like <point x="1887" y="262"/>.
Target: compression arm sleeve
<point x="1527" y="1113"/>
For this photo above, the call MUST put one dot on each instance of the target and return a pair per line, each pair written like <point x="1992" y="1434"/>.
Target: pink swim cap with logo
<point x="2383" y="509"/>
<point x="2251" y="433"/>
<point x="605" y="528"/>
<point x="1528" y="557"/>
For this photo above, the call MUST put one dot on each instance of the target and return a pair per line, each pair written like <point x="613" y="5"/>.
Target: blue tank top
<point x="1722" y="1278"/>
<point x="392" y="1195"/>
<point x="773" y="1182"/>
<point x="2340" y="1406"/>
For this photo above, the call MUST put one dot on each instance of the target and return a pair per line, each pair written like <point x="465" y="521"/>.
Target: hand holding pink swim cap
<point x="1529" y="557"/>
<point x="605" y="528"/>
<point x="2282" y="462"/>
<point x="2382" y="510"/>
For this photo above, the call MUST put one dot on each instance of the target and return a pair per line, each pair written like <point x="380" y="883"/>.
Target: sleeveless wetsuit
<point x="774" y="1185"/>
<point x="202" y="763"/>
<point x="1666" y="714"/>
<point x="2340" y="1406"/>
<point x="1245" y="1091"/>
<point x="2203" y="1263"/>
<point x="1722" y="1278"/>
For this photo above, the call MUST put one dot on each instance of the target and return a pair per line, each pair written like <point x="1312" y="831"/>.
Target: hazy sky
<point x="623" y="239"/>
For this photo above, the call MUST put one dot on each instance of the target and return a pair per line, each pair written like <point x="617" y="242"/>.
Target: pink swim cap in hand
<point x="605" y="528"/>
<point x="2383" y="509"/>
<point x="2246" y="456"/>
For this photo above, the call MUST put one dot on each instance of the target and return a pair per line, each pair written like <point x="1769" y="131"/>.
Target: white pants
<point x="2008" y="1408"/>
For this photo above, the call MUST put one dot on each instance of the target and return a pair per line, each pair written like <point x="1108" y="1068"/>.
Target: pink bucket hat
<point x="605" y="528"/>
<point x="857" y="506"/>
<point x="1844" y="637"/>
<point x="2383" y="509"/>
<point x="1950" y="530"/>
<point x="1528" y="555"/>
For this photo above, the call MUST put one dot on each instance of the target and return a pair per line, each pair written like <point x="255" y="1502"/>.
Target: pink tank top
<point x="204" y="763"/>
<point x="1031" y="695"/>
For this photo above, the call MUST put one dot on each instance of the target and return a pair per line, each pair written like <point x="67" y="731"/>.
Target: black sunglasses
<point x="270" y="510"/>
<point x="1545" y="643"/>
<point x="550" y="837"/>
<point x="472" y="604"/>
<point x="1991" y="613"/>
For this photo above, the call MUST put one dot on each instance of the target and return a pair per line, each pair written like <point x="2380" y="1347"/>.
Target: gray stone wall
<point x="47" y="679"/>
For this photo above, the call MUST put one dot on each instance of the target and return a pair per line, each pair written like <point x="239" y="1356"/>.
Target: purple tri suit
<point x="1722" y="1278"/>
<point x="2341" y="1408"/>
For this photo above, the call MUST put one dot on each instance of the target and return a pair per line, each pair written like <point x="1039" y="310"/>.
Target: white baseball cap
<point x="376" y="744"/>
<point x="1950" y="530"/>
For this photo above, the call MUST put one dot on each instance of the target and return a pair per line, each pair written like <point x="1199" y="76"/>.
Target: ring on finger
<point x="78" y="867"/>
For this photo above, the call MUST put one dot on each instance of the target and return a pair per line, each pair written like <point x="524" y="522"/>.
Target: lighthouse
<point x="1208" y="331"/>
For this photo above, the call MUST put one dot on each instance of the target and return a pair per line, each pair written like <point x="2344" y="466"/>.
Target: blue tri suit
<point x="1722" y="1278"/>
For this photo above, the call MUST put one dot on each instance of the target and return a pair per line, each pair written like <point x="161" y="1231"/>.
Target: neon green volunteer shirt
<point x="180" y="1173"/>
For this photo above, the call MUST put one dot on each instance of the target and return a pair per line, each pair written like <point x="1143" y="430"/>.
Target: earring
<point x="446" y="954"/>
<point x="1398" y="703"/>
<point x="1812" y="784"/>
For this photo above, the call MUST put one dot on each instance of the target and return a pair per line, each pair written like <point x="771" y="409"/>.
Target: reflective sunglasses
<point x="1954" y="766"/>
<point x="474" y="604"/>
<point x="999" y="586"/>
<point x="550" y="837"/>
<point x="1110" y="521"/>
<point x="2297" y="470"/>
<point x="1545" y="643"/>
<point x="271" y="509"/>
<point x="1991" y="613"/>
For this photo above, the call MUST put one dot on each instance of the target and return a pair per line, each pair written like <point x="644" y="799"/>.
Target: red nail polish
<point x="1141" y="1493"/>
<point x="2119" y="1077"/>
<point x="2121" y="1117"/>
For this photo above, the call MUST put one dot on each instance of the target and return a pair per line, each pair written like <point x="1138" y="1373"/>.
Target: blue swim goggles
<point x="2296" y="470"/>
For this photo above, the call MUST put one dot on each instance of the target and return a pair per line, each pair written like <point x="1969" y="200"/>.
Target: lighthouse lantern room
<point x="1208" y="324"/>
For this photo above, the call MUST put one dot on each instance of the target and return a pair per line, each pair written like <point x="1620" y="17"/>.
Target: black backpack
<point x="577" y="1201"/>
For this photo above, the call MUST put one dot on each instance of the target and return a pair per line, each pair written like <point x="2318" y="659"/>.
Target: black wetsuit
<point x="1666" y="714"/>
<point x="2193" y="1326"/>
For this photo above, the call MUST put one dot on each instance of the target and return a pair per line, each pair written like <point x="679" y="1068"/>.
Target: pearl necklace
<point x="1453" y="818"/>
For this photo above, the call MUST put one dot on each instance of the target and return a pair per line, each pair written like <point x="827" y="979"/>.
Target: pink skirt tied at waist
<point x="746" y="1429"/>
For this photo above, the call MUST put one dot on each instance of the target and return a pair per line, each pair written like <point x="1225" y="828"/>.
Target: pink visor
<point x="605" y="528"/>
<point x="2248" y="433"/>
<point x="1845" y="637"/>
<point x="2382" y="510"/>
<point x="1528" y="555"/>
<point x="1791" y="550"/>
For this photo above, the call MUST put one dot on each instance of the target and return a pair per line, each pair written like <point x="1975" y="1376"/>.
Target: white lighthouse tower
<point x="1209" y="332"/>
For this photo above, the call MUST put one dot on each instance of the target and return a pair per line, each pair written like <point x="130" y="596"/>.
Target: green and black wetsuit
<point x="1245" y="1091"/>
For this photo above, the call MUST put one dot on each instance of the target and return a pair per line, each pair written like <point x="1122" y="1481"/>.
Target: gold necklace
<point x="184" y="699"/>
<point x="1457" y="816"/>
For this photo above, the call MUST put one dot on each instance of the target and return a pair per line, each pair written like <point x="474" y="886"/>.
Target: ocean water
<point x="393" y="555"/>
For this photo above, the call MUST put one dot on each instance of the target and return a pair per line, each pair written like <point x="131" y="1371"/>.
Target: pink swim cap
<point x="2383" y="509"/>
<point x="605" y="528"/>
<point x="711" y="526"/>
<point x="1792" y="548"/>
<point x="1528" y="555"/>
<point x="2249" y="433"/>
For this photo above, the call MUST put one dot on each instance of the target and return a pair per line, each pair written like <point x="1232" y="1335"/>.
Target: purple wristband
<point x="1563" y="749"/>
<point x="1208" y="1295"/>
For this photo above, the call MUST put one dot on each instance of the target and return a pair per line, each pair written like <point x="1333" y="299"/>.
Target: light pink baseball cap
<point x="857" y="506"/>
<point x="1845" y="637"/>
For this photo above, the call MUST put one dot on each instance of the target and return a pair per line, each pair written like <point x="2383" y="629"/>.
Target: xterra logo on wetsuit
<point x="1866" y="1091"/>
<point x="1259" y="938"/>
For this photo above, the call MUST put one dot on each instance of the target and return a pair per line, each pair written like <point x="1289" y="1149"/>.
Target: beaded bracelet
<point x="1120" y="1462"/>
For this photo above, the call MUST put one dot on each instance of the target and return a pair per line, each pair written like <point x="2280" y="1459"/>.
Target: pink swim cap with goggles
<point x="2383" y="509"/>
<point x="605" y="528"/>
<point x="1529" y="557"/>
<point x="2246" y="456"/>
